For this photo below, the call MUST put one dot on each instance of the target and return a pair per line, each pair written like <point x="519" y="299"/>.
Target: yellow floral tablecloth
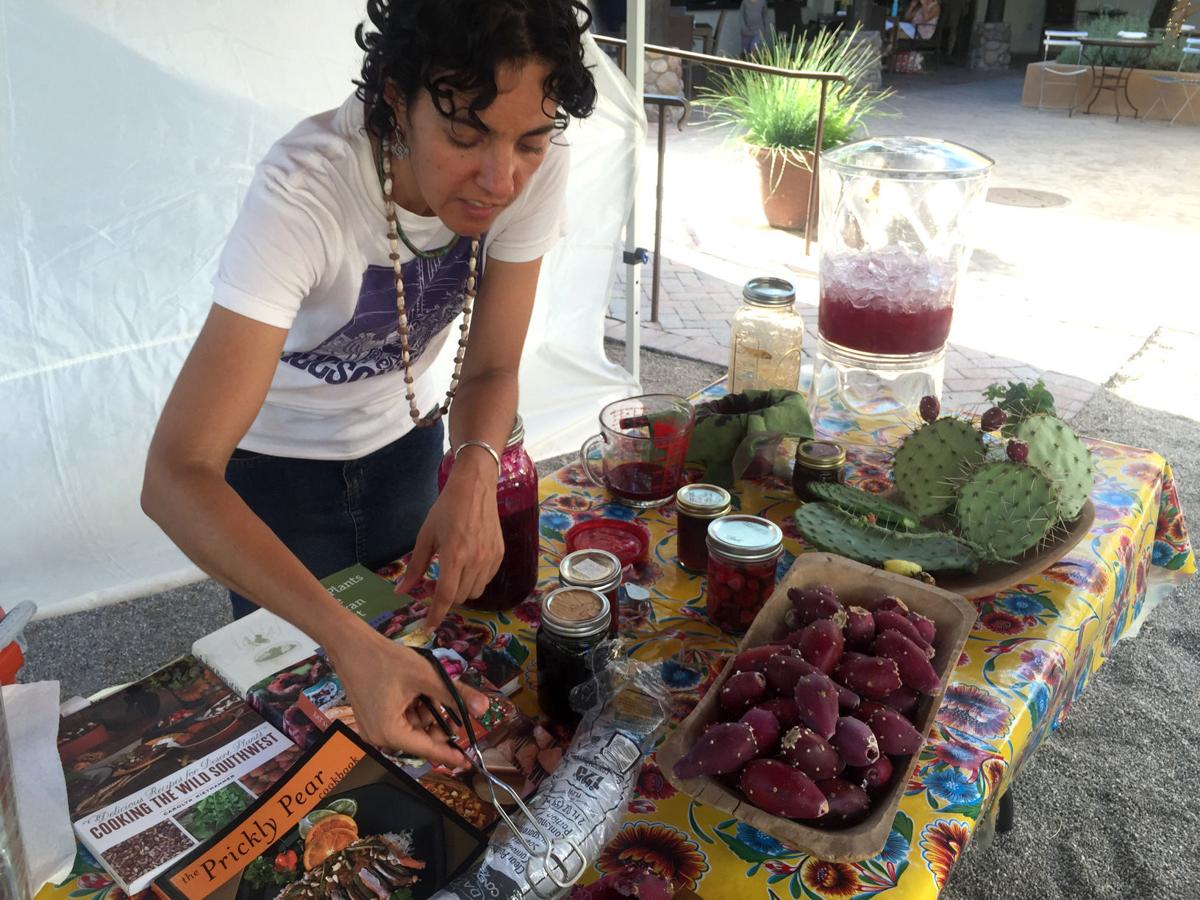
<point x="1030" y="655"/>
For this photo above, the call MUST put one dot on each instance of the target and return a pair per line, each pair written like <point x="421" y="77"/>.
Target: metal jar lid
<point x="703" y="501"/>
<point x="820" y="455"/>
<point x="745" y="538"/>
<point x="575" y="612"/>
<point x="517" y="434"/>
<point x="590" y="568"/>
<point x="769" y="292"/>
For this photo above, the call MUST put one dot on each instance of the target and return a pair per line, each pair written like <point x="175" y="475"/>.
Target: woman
<point x="304" y="432"/>
<point x="920" y="19"/>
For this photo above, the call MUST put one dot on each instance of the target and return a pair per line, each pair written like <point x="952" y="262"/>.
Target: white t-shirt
<point x="309" y="252"/>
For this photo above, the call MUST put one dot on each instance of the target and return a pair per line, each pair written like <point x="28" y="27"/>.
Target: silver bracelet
<point x="483" y="444"/>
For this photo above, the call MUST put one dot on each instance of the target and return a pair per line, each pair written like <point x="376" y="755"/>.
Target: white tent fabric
<point x="131" y="131"/>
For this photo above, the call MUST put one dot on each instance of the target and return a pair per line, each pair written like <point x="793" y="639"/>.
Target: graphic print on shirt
<point x="369" y="344"/>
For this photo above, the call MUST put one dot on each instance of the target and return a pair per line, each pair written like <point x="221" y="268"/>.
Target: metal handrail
<point x="824" y="78"/>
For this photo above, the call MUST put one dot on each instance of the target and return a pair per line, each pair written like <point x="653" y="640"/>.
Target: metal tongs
<point x="552" y="862"/>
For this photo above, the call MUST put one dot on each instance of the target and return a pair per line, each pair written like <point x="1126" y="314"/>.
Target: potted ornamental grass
<point x="776" y="116"/>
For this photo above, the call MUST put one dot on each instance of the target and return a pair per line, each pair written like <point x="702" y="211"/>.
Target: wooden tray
<point x="858" y="585"/>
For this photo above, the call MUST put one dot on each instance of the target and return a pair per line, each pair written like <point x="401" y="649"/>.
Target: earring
<point x="399" y="144"/>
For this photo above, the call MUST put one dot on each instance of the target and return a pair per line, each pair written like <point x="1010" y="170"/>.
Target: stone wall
<point x="664" y="75"/>
<point x="990" y="42"/>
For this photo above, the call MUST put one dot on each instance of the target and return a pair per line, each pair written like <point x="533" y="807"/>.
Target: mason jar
<point x="765" y="337"/>
<point x="696" y="506"/>
<point x="597" y="570"/>
<point x="574" y="621"/>
<point x="742" y="553"/>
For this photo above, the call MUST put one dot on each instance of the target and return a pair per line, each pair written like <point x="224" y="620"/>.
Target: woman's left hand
<point x="463" y="529"/>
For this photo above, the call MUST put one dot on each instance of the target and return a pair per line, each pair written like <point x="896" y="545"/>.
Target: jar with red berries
<point x="517" y="503"/>
<point x="742" y="553"/>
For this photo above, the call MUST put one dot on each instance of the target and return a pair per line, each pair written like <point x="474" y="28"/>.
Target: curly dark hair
<point x="457" y="45"/>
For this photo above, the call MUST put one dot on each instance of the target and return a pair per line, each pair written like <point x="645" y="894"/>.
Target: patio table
<point x="1092" y="51"/>
<point x="1030" y="655"/>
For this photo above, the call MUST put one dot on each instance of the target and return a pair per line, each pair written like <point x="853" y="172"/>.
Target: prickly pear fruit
<point x="784" y="709"/>
<point x="903" y="701"/>
<point x="893" y="620"/>
<point x="783" y="669"/>
<point x="930" y="407"/>
<point x="895" y="734"/>
<point x="847" y="699"/>
<point x="1018" y="451"/>
<point x="765" y="726"/>
<point x="742" y="691"/>
<point x="860" y="627"/>
<point x="924" y="625"/>
<point x="810" y="753"/>
<point x="817" y="700"/>
<point x="911" y="661"/>
<point x="810" y="604"/>
<point x="870" y="677"/>
<point x="993" y="419"/>
<point x="855" y="741"/>
<point x="848" y="803"/>
<point x="874" y="778"/>
<point x="821" y="643"/>
<point x="892" y="602"/>
<point x="755" y="659"/>
<point x="781" y="790"/>
<point x="724" y="747"/>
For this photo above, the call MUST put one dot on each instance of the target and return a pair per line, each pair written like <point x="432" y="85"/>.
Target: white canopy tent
<point x="131" y="130"/>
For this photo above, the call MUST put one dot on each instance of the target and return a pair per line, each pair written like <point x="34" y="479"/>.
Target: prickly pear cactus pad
<point x="1057" y="451"/>
<point x="862" y="503"/>
<point x="933" y="461"/>
<point x="1006" y="508"/>
<point x="828" y="528"/>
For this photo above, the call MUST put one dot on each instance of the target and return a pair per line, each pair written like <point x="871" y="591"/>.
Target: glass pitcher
<point x="897" y="217"/>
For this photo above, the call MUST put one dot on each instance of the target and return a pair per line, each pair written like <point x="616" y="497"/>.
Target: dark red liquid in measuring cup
<point x="643" y="482"/>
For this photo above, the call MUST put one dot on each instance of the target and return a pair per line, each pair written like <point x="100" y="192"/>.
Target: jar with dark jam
<point x="597" y="570"/>
<point x="696" y="506"/>
<point x="742" y="553"/>
<point x="817" y="461"/>
<point x="574" y="622"/>
<point x="517" y="503"/>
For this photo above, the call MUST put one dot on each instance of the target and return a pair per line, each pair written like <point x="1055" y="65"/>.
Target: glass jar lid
<point x="517" y="434"/>
<point x="820" y="455"/>
<point x="591" y="568"/>
<point x="899" y="157"/>
<point x="769" y="292"/>
<point x="575" y="612"/>
<point x="745" y="538"/>
<point x="703" y="500"/>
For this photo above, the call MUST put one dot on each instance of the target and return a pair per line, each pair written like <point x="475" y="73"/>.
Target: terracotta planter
<point x="784" y="184"/>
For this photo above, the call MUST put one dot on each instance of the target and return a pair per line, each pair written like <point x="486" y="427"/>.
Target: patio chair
<point x="1064" y="74"/>
<point x="1189" y="83"/>
<point x="917" y="44"/>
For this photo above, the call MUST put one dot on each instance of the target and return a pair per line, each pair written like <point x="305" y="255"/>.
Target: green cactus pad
<point x="1056" y="450"/>
<point x="861" y="503"/>
<point x="835" y="531"/>
<point x="933" y="462"/>
<point x="1006" y="508"/>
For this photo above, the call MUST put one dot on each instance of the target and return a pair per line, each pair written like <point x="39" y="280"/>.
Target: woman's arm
<point x="217" y="395"/>
<point x="463" y="527"/>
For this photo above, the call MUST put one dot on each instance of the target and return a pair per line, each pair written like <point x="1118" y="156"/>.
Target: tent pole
<point x="635" y="31"/>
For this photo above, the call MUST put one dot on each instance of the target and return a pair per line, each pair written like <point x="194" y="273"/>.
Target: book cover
<point x="343" y="822"/>
<point x="158" y="767"/>
<point x="365" y="594"/>
<point x="256" y="646"/>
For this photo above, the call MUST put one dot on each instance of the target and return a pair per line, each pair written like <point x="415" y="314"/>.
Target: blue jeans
<point x="334" y="513"/>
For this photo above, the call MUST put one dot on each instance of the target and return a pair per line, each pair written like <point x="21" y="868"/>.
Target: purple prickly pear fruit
<point x="855" y="741"/>
<point x="810" y="604"/>
<point x="821" y="643"/>
<point x="742" y="691"/>
<point x="930" y="407"/>
<point x="1018" y="451"/>
<point x="893" y="620"/>
<point x="873" y="778"/>
<point x="925" y="627"/>
<point x="847" y="699"/>
<point x="817" y="701"/>
<point x="784" y="709"/>
<point x="765" y="726"/>
<point x="894" y="733"/>
<point x="993" y="419"/>
<point x="784" y="668"/>
<point x="903" y="701"/>
<point x="892" y="603"/>
<point x="913" y="665"/>
<point x="860" y="627"/>
<point x="782" y="790"/>
<point x="755" y="659"/>
<point x="871" y="677"/>
<point x="810" y="753"/>
<point x="848" y="803"/>
<point x="724" y="747"/>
